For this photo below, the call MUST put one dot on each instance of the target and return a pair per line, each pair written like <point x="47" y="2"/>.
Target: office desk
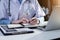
<point x="47" y="35"/>
<point x="38" y="35"/>
<point x="20" y="37"/>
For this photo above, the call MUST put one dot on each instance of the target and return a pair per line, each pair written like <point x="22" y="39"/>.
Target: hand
<point x="23" y="21"/>
<point x="33" y="21"/>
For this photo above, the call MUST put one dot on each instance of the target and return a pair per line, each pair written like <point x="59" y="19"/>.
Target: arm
<point x="3" y="13"/>
<point x="3" y="9"/>
<point x="40" y="13"/>
<point x="39" y="17"/>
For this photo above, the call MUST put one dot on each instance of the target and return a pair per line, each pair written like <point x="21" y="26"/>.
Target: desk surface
<point x="39" y="35"/>
<point x="47" y="35"/>
<point x="20" y="37"/>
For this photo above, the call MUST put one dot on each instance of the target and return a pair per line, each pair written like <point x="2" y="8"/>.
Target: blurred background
<point x="48" y="6"/>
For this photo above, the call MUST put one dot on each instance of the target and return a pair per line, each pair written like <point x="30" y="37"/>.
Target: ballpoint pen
<point x="22" y="24"/>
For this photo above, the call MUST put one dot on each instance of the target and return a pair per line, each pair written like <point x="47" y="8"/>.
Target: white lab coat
<point x="2" y="9"/>
<point x="18" y="10"/>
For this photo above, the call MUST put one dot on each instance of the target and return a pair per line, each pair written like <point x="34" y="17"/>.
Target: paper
<point x="26" y="25"/>
<point x="14" y="25"/>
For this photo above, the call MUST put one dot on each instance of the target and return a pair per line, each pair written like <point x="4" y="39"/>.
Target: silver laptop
<point x="54" y="20"/>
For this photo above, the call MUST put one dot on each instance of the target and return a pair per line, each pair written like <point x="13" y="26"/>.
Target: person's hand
<point x="23" y="21"/>
<point x="33" y="21"/>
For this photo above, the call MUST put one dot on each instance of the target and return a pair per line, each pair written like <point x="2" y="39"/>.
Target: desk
<point x="47" y="35"/>
<point x="37" y="35"/>
<point x="20" y="37"/>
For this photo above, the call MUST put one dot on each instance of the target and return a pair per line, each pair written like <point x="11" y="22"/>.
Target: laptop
<point x="53" y="22"/>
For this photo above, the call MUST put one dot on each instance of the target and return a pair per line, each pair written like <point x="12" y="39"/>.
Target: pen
<point x="22" y="24"/>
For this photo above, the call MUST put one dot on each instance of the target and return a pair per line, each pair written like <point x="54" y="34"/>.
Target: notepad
<point x="25" y="25"/>
<point x="14" y="26"/>
<point x="20" y="26"/>
<point x="29" y="25"/>
<point x="6" y="31"/>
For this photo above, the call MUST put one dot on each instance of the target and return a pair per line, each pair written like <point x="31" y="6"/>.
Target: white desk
<point x="38" y="35"/>
<point x="20" y="37"/>
<point x="47" y="35"/>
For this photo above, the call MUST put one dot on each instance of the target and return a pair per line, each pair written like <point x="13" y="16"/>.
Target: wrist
<point x="38" y="21"/>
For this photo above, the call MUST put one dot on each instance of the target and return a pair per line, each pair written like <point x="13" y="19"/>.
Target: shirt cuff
<point x="41" y="19"/>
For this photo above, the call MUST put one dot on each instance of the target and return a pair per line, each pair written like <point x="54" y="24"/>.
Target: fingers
<point x="33" y="21"/>
<point x="16" y="22"/>
<point x="24" y="20"/>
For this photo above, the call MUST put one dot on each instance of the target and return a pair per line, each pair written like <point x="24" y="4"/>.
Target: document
<point x="25" y="25"/>
<point x="6" y="31"/>
<point x="14" y="26"/>
<point x="20" y="26"/>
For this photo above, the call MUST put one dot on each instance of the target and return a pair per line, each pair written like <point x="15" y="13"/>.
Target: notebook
<point x="6" y="31"/>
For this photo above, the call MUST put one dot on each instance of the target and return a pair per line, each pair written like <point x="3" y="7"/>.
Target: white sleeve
<point x="2" y="9"/>
<point x="40" y="12"/>
<point x="41" y="19"/>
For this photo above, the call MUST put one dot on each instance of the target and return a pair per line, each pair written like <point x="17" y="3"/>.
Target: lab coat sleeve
<point x="41" y="19"/>
<point x="2" y="9"/>
<point x="5" y="3"/>
<point x="40" y="13"/>
<point x="3" y="13"/>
